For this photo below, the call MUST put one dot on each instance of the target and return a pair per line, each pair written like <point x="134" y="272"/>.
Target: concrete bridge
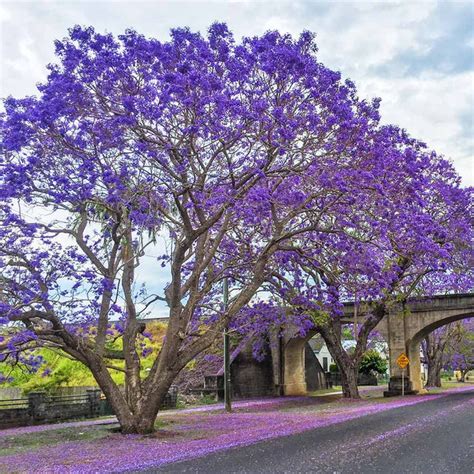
<point x="403" y="331"/>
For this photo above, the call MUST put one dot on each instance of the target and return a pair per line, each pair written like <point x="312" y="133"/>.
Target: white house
<point x="321" y="352"/>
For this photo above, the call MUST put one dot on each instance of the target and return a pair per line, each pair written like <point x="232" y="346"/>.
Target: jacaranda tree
<point x="223" y="149"/>
<point x="460" y="355"/>
<point x="449" y="347"/>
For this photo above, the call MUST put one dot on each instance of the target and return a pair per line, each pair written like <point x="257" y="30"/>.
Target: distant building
<point x="321" y="352"/>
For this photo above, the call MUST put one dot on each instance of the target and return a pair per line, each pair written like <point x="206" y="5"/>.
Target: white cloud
<point x="374" y="43"/>
<point x="431" y="108"/>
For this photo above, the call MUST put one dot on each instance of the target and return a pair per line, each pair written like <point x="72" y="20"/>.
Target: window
<point x="325" y="364"/>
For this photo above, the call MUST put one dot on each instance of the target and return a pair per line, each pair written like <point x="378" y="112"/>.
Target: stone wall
<point x="250" y="377"/>
<point x="14" y="417"/>
<point x="40" y="407"/>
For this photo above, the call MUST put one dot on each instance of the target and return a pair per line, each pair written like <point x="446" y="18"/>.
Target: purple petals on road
<point x="191" y="433"/>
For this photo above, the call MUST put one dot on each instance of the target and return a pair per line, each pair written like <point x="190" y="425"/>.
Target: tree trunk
<point x="349" y="383"/>
<point x="140" y="418"/>
<point x="347" y="366"/>
<point x="136" y="415"/>
<point x="434" y="372"/>
<point x="433" y="347"/>
<point x="142" y="422"/>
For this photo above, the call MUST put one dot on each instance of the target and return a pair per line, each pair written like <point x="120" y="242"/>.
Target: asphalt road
<point x="430" y="437"/>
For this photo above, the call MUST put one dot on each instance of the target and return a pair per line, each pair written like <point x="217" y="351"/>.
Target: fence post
<point x="37" y="405"/>
<point x="93" y="395"/>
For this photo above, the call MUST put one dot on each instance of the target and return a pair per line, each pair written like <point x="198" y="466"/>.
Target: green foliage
<point x="347" y="333"/>
<point x="320" y="318"/>
<point x="180" y="402"/>
<point x="207" y="400"/>
<point x="58" y="370"/>
<point x="333" y="368"/>
<point x="372" y="362"/>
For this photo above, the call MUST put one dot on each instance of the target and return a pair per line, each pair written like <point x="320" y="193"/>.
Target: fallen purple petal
<point x="192" y="433"/>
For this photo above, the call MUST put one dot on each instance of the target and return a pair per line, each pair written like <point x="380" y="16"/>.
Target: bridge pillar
<point x="294" y="380"/>
<point x="396" y="340"/>
<point x="396" y="322"/>
<point x="414" y="369"/>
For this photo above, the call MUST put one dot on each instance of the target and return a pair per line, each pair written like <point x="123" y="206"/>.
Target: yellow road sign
<point x="403" y="361"/>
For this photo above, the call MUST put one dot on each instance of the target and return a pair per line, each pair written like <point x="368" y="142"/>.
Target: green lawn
<point x="35" y="441"/>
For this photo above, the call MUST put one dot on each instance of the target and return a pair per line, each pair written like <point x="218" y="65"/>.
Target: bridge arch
<point x="428" y="329"/>
<point x="402" y="331"/>
<point x="413" y="345"/>
<point x="405" y="332"/>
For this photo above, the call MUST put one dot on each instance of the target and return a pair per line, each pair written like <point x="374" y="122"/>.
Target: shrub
<point x="372" y="363"/>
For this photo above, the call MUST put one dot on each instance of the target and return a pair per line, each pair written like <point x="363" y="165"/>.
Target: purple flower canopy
<point x="254" y="160"/>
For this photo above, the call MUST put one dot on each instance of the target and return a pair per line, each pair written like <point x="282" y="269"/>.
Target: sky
<point x="417" y="56"/>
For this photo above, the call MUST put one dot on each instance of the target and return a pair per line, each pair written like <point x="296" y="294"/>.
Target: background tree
<point x="372" y="363"/>
<point x="459" y="355"/>
<point x="435" y="347"/>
